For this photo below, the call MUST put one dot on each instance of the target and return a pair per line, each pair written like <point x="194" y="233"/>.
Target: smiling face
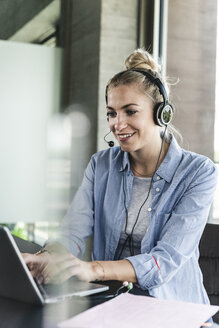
<point x="130" y="115"/>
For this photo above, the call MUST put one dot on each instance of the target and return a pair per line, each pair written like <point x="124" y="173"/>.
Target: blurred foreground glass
<point x="30" y="95"/>
<point x="43" y="152"/>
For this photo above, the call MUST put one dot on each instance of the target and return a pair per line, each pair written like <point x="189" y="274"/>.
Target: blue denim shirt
<point x="182" y="193"/>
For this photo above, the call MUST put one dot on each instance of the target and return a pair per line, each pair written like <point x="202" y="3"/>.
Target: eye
<point x="111" y="114"/>
<point x="130" y="112"/>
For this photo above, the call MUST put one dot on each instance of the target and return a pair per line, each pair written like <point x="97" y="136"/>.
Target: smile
<point x="125" y="136"/>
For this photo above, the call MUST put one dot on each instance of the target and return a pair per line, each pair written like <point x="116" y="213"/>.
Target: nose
<point x="120" y="122"/>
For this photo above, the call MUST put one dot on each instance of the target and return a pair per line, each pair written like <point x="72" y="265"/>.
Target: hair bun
<point x="140" y="58"/>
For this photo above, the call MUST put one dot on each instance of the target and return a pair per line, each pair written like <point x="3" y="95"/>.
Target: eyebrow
<point x="123" y="107"/>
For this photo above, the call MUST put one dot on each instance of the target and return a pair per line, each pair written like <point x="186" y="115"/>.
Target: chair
<point x="209" y="263"/>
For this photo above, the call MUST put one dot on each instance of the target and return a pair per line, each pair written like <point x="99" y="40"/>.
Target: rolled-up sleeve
<point x="77" y="225"/>
<point x="180" y="235"/>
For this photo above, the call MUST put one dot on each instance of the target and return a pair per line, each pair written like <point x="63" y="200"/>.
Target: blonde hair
<point x="141" y="59"/>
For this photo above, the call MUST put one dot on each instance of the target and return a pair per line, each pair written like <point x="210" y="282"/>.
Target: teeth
<point x="125" y="136"/>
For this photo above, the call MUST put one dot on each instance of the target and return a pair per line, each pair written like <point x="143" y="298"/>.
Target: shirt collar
<point x="171" y="160"/>
<point x="125" y="162"/>
<point x="169" y="164"/>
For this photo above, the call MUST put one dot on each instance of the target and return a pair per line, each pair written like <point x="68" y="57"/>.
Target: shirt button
<point x="149" y="209"/>
<point x="158" y="178"/>
<point x="157" y="189"/>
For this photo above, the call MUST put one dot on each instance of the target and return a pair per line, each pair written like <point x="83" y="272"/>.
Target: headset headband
<point x="152" y="78"/>
<point x="155" y="80"/>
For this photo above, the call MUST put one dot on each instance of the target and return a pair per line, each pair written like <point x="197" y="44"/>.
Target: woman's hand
<point x="63" y="266"/>
<point x="58" y="267"/>
<point x="37" y="264"/>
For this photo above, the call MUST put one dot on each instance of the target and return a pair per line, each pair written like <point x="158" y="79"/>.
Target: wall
<point x="81" y="42"/>
<point x="101" y="36"/>
<point x="191" y="56"/>
<point x="118" y="38"/>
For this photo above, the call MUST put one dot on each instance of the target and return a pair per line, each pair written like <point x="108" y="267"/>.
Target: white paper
<point x="128" y="310"/>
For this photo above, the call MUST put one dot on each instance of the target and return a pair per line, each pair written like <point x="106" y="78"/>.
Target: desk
<point x="14" y="314"/>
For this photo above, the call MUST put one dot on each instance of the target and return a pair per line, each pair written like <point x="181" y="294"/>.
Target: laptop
<point x="17" y="283"/>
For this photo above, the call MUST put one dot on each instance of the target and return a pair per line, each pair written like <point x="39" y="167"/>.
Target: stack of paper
<point x="141" y="311"/>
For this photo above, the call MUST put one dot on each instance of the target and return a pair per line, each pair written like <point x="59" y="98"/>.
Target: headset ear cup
<point x="163" y="114"/>
<point x="157" y="110"/>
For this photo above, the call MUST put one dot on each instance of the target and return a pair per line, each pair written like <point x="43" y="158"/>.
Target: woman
<point x="146" y="202"/>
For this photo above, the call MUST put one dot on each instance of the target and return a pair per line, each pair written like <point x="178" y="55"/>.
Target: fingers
<point x="60" y="269"/>
<point x="57" y="267"/>
<point x="36" y="264"/>
<point x="72" y="267"/>
<point x="28" y="258"/>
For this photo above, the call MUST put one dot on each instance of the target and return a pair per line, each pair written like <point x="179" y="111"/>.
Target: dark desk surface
<point x="20" y="315"/>
<point x="14" y="314"/>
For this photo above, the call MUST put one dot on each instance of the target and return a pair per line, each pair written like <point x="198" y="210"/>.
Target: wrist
<point x="98" y="270"/>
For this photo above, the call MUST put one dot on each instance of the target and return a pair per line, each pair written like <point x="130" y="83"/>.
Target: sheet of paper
<point x="128" y="310"/>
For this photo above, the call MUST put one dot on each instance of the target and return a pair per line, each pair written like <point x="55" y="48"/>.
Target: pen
<point x="42" y="250"/>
